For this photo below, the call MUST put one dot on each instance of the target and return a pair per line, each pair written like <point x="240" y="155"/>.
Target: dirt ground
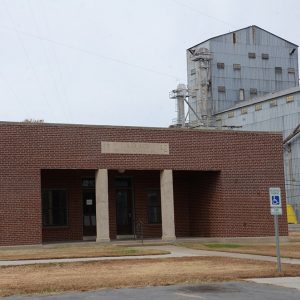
<point x="294" y="236"/>
<point x="72" y="251"/>
<point x="55" y="278"/>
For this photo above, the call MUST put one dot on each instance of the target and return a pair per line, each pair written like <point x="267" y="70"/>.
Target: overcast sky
<point x="113" y="62"/>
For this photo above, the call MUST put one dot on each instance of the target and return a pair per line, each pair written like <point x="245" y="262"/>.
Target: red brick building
<point x="70" y="182"/>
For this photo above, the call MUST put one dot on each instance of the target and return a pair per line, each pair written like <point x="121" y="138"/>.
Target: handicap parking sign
<point x="275" y="197"/>
<point x="275" y="200"/>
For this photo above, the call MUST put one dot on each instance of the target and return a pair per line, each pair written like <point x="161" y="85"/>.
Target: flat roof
<point x="266" y="97"/>
<point x="205" y="130"/>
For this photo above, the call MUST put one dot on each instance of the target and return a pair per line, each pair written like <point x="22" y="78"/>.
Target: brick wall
<point x="142" y="182"/>
<point x="248" y="163"/>
<point x="71" y="181"/>
<point x="198" y="204"/>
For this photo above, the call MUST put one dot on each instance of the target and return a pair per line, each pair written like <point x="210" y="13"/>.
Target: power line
<point x="47" y="61"/>
<point x="61" y="79"/>
<point x="26" y="54"/>
<point x="202" y="13"/>
<point x="94" y="53"/>
<point x="24" y="107"/>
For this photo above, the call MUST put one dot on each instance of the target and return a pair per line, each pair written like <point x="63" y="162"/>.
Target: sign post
<point x="276" y="210"/>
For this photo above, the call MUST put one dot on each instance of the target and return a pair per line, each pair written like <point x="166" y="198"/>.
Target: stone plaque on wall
<point x="134" y="148"/>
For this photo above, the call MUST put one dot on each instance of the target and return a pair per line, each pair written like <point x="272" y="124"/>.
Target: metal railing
<point x="139" y="230"/>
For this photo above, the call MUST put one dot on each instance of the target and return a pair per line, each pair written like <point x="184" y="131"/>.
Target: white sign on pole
<point x="275" y="197"/>
<point x="276" y="211"/>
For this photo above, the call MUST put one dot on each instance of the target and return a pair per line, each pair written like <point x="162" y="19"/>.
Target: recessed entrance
<point x="89" y="212"/>
<point x="124" y="206"/>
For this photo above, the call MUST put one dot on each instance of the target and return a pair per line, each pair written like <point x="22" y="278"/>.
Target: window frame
<point x="230" y="114"/>
<point x="258" y="106"/>
<point x="241" y="95"/>
<point x="236" y="67"/>
<point x="150" y="206"/>
<point x="221" y="89"/>
<point x="273" y="103"/>
<point x="265" y="56"/>
<point x="66" y="225"/>
<point x="89" y="180"/>
<point x="220" y="65"/>
<point x="289" y="99"/>
<point x="234" y="38"/>
<point x="253" y="92"/>
<point x="244" y="110"/>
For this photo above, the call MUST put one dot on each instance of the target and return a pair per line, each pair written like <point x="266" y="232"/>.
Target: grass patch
<point x="222" y="246"/>
<point x="288" y="249"/>
<point x="73" y="251"/>
<point x="74" y="277"/>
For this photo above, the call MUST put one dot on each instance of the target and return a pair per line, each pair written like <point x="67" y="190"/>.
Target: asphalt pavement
<point x="215" y="291"/>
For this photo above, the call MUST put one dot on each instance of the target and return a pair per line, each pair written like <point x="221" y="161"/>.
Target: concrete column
<point x="102" y="213"/>
<point x="167" y="205"/>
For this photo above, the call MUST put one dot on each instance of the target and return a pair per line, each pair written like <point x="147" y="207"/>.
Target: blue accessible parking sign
<point x="275" y="197"/>
<point x="275" y="200"/>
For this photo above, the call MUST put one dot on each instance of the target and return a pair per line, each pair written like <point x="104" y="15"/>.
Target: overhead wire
<point x="15" y="29"/>
<point x="96" y="54"/>
<point x="50" y="73"/>
<point x="195" y="10"/>
<point x="15" y="94"/>
<point x="61" y="78"/>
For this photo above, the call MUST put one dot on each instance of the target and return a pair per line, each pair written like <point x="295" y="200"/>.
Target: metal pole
<point x="192" y="109"/>
<point x="277" y="243"/>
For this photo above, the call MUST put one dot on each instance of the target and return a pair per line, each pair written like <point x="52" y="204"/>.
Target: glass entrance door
<point x="89" y="213"/>
<point x="124" y="211"/>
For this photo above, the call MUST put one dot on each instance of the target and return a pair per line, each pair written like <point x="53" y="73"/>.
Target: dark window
<point x="273" y="103"/>
<point x="54" y="205"/>
<point x="88" y="182"/>
<point x="234" y="37"/>
<point x="278" y="70"/>
<point x="264" y="56"/>
<point x="220" y="65"/>
<point x="221" y="89"/>
<point x="253" y="91"/>
<point x="154" y="208"/>
<point x="123" y="182"/>
<point x="236" y="66"/>
<point x="291" y="70"/>
<point x="193" y="71"/>
<point x="251" y="55"/>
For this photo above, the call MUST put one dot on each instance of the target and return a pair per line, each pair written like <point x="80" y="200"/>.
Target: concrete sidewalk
<point x="288" y="282"/>
<point x="185" y="252"/>
<point x="175" y="251"/>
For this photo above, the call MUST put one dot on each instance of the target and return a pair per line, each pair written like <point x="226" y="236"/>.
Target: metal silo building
<point x="238" y="66"/>
<point x="278" y="112"/>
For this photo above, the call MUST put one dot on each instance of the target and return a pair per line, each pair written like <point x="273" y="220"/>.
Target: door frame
<point x="88" y="189"/>
<point x="131" y="188"/>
